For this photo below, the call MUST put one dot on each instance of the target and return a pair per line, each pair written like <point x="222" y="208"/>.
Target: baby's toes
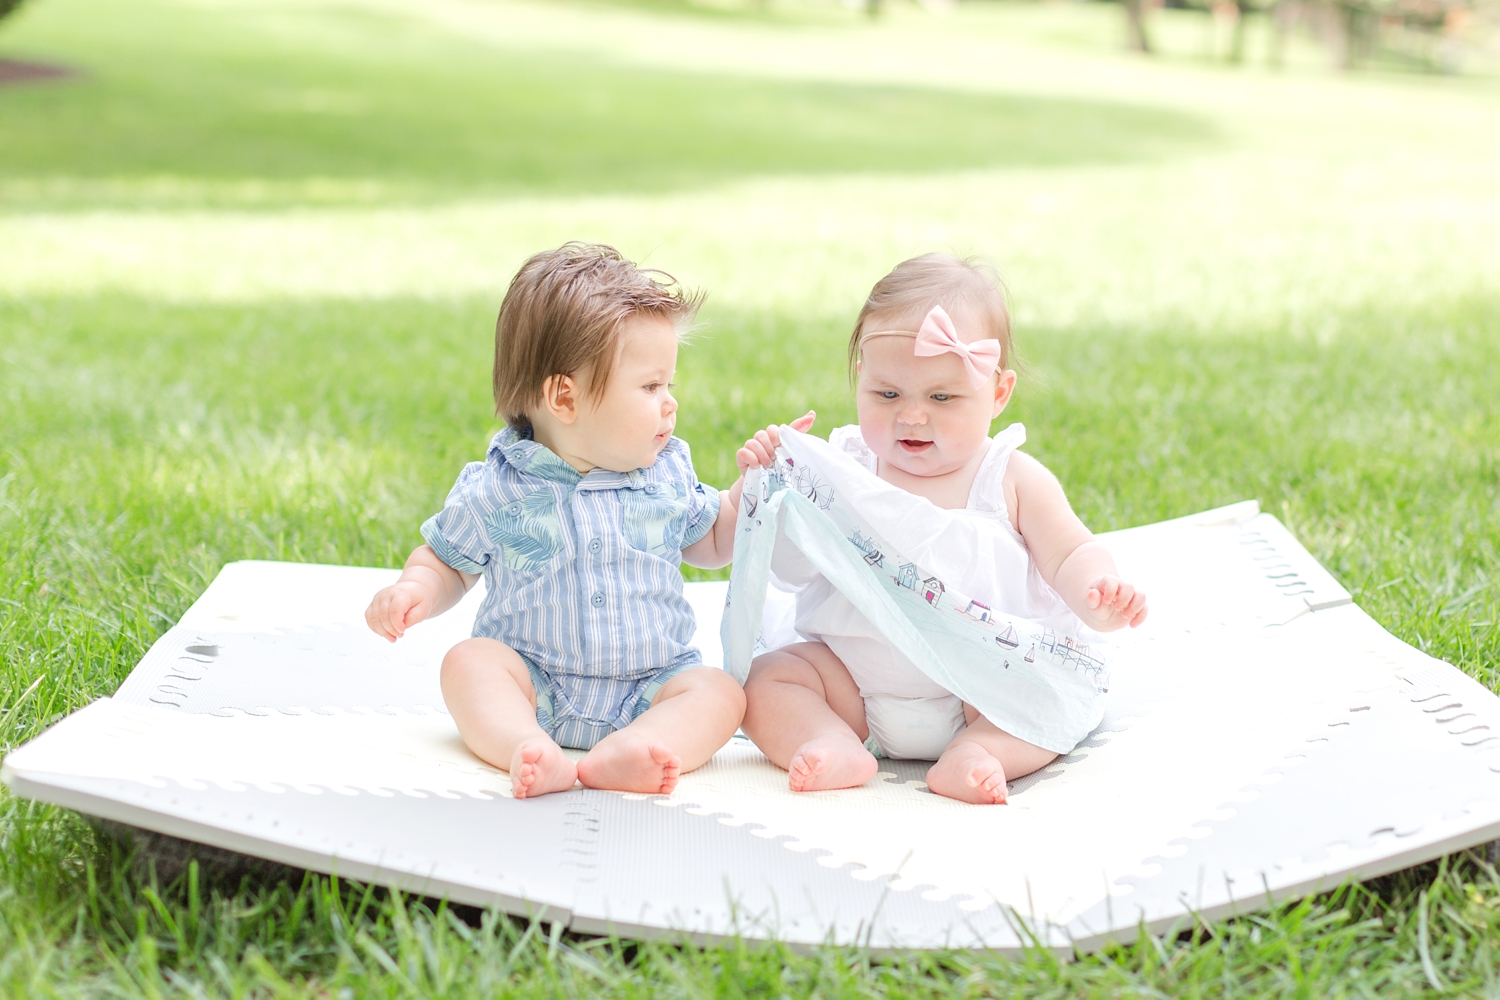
<point x="803" y="771"/>
<point x="991" y="783"/>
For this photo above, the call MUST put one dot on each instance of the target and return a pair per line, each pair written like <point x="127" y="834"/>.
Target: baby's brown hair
<point x="562" y="316"/>
<point x="902" y="298"/>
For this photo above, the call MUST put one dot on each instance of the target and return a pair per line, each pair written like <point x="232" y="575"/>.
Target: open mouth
<point x="912" y="446"/>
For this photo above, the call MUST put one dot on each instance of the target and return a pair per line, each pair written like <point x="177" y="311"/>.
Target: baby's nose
<point x="912" y="416"/>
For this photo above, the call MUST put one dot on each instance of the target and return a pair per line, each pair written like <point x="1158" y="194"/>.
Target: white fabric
<point x="1005" y="574"/>
<point x="927" y="607"/>
<point x="909" y="714"/>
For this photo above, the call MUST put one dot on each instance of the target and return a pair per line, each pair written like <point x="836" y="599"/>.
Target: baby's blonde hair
<point x="903" y="297"/>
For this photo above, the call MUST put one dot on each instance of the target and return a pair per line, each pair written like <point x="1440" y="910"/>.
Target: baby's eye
<point x="942" y="397"/>
<point x="651" y="386"/>
<point x="889" y="394"/>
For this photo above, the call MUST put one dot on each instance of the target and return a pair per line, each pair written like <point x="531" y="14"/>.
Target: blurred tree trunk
<point x="1136" y="38"/>
<point x="1284" y="16"/>
<point x="1237" y="39"/>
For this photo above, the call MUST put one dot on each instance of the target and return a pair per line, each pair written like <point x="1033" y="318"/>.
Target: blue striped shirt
<point x="581" y="571"/>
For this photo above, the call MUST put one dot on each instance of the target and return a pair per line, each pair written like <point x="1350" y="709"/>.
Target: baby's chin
<point x="646" y="458"/>
<point x="928" y="463"/>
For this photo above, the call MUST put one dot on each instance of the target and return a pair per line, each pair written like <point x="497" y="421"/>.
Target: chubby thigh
<point x="877" y="667"/>
<point x="500" y="695"/>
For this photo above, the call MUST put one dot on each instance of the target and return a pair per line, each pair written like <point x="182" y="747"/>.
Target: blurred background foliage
<point x="1434" y="35"/>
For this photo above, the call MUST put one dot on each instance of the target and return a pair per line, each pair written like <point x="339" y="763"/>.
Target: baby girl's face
<point x="922" y="415"/>
<point x="636" y="415"/>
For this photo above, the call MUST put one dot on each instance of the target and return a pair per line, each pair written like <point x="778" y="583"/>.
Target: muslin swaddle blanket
<point x="821" y="522"/>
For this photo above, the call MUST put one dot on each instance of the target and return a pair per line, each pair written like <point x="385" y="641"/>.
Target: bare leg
<point x="805" y="712"/>
<point x="976" y="765"/>
<point x="488" y="691"/>
<point x="691" y="717"/>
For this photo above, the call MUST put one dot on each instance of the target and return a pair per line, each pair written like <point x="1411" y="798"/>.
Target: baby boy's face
<point x="923" y="415"/>
<point x="636" y="415"/>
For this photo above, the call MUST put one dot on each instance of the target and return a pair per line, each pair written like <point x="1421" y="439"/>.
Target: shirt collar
<point x="532" y="458"/>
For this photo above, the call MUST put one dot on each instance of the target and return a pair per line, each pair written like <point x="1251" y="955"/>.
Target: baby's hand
<point x="760" y="451"/>
<point x="397" y="608"/>
<point x="1114" y="604"/>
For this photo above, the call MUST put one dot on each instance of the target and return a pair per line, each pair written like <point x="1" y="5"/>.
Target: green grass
<point x="385" y="105"/>
<point x="249" y="264"/>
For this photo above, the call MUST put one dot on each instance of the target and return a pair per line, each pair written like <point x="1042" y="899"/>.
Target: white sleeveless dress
<point x="909" y="715"/>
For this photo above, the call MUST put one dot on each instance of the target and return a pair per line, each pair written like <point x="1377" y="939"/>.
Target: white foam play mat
<point x="1263" y="738"/>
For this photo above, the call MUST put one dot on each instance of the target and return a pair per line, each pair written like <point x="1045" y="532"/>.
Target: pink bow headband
<point x="937" y="335"/>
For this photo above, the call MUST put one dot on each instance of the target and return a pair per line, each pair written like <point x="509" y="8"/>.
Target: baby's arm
<point x="1071" y="560"/>
<point x="428" y="587"/>
<point x="716" y="548"/>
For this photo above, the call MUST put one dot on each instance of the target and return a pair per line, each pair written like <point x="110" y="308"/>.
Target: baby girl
<point x="929" y="355"/>
<point x="578" y="519"/>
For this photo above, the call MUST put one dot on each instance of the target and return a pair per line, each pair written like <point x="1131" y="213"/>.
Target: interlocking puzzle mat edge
<point x="878" y="914"/>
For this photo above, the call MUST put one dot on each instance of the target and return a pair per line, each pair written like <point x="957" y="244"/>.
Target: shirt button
<point x="597" y="600"/>
<point x="650" y="487"/>
<point x="514" y="510"/>
<point x="595" y="545"/>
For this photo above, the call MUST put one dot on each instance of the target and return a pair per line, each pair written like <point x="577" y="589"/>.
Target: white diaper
<point x="913" y="728"/>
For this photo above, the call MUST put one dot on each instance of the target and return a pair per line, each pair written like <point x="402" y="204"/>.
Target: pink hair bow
<point x="938" y="336"/>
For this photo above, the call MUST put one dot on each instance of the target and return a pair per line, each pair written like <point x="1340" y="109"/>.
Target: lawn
<point x="250" y="257"/>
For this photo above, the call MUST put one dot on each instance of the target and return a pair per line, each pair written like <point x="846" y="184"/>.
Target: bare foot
<point x="830" y="762"/>
<point x="539" y="766"/>
<point x="969" y="773"/>
<point x="624" y="765"/>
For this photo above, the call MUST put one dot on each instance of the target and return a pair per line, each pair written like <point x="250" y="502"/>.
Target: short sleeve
<point x="456" y="533"/>
<point x="851" y="442"/>
<point x="703" y="501"/>
<point x="988" y="492"/>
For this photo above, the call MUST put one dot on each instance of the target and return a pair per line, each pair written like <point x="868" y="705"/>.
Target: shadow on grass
<point x="202" y="110"/>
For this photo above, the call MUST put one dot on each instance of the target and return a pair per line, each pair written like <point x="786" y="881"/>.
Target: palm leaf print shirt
<point x="581" y="571"/>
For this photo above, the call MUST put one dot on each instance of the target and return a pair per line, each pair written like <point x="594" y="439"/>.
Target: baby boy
<point x="578" y="519"/>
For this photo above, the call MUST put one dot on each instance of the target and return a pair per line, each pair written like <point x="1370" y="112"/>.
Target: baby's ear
<point x="1005" y="384"/>
<point x="560" y="397"/>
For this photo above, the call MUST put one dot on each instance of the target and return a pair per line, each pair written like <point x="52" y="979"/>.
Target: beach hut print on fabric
<point x="932" y="590"/>
<point x="868" y="549"/>
<point x="907" y="577"/>
<point x="979" y="612"/>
